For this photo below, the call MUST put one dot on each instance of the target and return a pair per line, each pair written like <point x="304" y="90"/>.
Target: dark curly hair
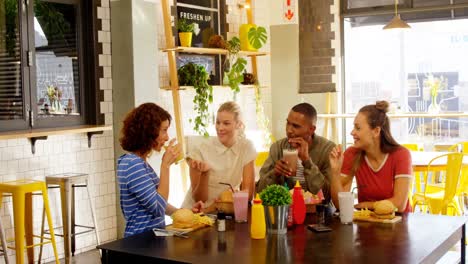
<point x="141" y="127"/>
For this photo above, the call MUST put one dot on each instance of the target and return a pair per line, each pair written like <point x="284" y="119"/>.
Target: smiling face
<point x="227" y="128"/>
<point x="298" y="125"/>
<point x="364" y="136"/>
<point x="163" y="136"/>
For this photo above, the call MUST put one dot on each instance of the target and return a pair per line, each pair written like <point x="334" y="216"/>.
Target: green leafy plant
<point x="275" y="195"/>
<point x="234" y="66"/>
<point x="196" y="75"/>
<point x="257" y="37"/>
<point x="184" y="26"/>
<point x="262" y="120"/>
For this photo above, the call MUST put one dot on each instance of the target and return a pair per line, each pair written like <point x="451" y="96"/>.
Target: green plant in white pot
<point x="276" y="201"/>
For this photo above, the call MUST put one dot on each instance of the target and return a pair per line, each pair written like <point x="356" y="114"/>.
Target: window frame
<point x="88" y="50"/>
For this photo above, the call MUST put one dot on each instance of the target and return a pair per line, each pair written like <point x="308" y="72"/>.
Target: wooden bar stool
<point x="67" y="182"/>
<point x="22" y="191"/>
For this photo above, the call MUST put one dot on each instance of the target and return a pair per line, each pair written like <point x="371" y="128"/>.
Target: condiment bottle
<point x="221" y="216"/>
<point x="290" y="212"/>
<point x="257" y="221"/>
<point x="299" y="208"/>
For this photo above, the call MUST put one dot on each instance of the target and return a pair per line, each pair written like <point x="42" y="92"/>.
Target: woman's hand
<point x="198" y="207"/>
<point x="199" y="165"/>
<point x="171" y="153"/>
<point x="336" y="159"/>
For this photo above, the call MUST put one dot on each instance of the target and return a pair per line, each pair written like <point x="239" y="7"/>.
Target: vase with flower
<point x="434" y="84"/>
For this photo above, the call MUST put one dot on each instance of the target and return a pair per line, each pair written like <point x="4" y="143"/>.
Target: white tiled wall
<point x="69" y="153"/>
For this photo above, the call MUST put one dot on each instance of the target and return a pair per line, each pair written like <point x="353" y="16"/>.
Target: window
<point x="43" y="80"/>
<point x="401" y="66"/>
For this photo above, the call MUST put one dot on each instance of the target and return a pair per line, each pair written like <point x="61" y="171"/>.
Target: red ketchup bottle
<point x="299" y="208"/>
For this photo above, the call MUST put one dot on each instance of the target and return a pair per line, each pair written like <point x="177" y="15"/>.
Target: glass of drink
<point x="346" y="201"/>
<point x="290" y="155"/>
<point x="179" y="158"/>
<point x="241" y="200"/>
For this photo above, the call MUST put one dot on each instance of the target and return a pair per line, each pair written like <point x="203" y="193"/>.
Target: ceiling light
<point x="396" y="21"/>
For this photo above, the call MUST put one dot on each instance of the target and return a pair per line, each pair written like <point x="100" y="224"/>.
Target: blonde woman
<point x="229" y="158"/>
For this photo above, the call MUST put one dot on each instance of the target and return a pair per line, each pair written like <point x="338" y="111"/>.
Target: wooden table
<point x="417" y="239"/>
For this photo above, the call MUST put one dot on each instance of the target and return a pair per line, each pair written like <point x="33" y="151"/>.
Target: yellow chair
<point x="462" y="147"/>
<point x="261" y="158"/>
<point x="22" y="191"/>
<point x="411" y="146"/>
<point x="440" y="201"/>
<point x="416" y="182"/>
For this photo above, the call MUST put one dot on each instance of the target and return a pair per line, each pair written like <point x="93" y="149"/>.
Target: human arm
<point x="248" y="179"/>
<point x="339" y="182"/>
<point x="140" y="182"/>
<point x="199" y="176"/>
<point x="169" y="157"/>
<point x="399" y="198"/>
<point x="267" y="172"/>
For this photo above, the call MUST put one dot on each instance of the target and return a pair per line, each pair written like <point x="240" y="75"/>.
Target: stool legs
<point x="4" y="243"/>
<point x="93" y="214"/>
<point x="28" y="227"/>
<point x="73" y="231"/>
<point x="18" y="212"/>
<point x="66" y="202"/>
<point x="49" y="221"/>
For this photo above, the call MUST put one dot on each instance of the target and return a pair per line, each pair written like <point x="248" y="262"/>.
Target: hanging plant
<point x="196" y="75"/>
<point x="234" y="66"/>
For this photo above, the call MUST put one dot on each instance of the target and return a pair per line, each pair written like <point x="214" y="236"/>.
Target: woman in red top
<point x="382" y="167"/>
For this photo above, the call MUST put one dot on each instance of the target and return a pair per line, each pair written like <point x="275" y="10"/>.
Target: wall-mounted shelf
<point x="212" y="51"/>
<point x="249" y="86"/>
<point x="41" y="134"/>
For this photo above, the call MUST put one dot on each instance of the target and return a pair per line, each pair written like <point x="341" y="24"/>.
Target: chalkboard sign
<point x="209" y="19"/>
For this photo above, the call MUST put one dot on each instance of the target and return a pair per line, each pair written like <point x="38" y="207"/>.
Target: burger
<point x="182" y="218"/>
<point x="384" y="210"/>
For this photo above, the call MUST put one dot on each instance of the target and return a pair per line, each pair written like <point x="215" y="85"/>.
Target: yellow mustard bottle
<point x="257" y="221"/>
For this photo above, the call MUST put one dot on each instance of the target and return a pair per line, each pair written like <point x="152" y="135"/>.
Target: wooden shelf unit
<point x="172" y="50"/>
<point x="213" y="51"/>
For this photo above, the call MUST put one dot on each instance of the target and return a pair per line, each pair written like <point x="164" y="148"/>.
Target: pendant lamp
<point x="396" y="21"/>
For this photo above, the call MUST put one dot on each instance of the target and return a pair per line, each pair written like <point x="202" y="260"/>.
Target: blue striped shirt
<point x="143" y="207"/>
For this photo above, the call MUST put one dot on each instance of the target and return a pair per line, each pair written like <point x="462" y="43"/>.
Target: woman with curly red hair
<point x="143" y="195"/>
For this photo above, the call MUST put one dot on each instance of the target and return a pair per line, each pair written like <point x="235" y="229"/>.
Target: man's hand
<point x="198" y="207"/>
<point x="199" y="165"/>
<point x="282" y="168"/>
<point x="302" y="147"/>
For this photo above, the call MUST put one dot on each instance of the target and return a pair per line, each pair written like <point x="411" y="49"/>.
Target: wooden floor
<point x="89" y="257"/>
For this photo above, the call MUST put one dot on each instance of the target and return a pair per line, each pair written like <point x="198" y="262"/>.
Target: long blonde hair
<point x="234" y="108"/>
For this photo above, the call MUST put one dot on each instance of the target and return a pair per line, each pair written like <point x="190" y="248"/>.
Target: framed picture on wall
<point x="208" y="17"/>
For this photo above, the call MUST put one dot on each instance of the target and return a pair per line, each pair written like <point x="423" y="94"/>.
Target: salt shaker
<point x="221" y="221"/>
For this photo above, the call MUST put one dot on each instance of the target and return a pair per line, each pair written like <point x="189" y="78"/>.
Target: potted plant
<point x="252" y="37"/>
<point x="185" y="32"/>
<point x="276" y="200"/>
<point x="196" y="75"/>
